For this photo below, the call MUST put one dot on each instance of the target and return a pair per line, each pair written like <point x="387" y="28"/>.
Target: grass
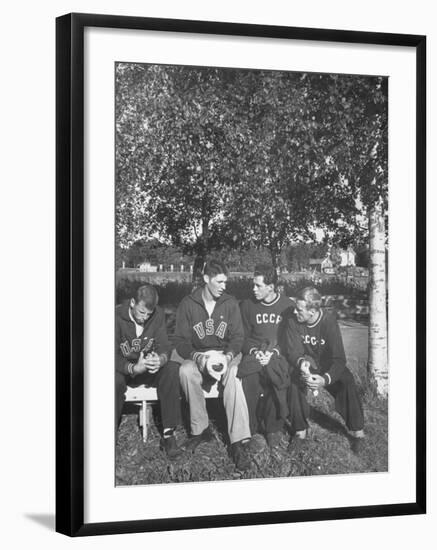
<point x="326" y="452"/>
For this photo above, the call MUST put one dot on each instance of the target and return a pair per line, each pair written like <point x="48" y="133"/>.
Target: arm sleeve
<point x="290" y="342"/>
<point x="122" y="364"/>
<point x="336" y="350"/>
<point x="287" y="314"/>
<point x="249" y="342"/>
<point x="236" y="331"/>
<point x="182" y="338"/>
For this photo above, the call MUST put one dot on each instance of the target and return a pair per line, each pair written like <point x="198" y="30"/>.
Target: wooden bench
<point x="144" y="395"/>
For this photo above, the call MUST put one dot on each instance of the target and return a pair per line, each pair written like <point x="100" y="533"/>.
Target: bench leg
<point x="143" y="413"/>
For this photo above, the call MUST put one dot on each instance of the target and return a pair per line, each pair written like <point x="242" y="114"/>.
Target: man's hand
<point x="263" y="357"/>
<point x="314" y="382"/>
<point x="140" y="365"/>
<point x="152" y="362"/>
<point x="201" y="360"/>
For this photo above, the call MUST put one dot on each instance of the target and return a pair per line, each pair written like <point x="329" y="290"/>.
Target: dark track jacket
<point x="196" y="331"/>
<point x="322" y="341"/>
<point x="128" y="346"/>
<point x="261" y="322"/>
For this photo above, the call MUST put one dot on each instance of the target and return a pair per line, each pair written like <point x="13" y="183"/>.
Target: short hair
<point x="311" y="296"/>
<point x="212" y="268"/>
<point x="147" y="294"/>
<point x="268" y="272"/>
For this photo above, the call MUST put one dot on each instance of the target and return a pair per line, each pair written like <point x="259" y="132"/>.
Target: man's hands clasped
<point x="150" y="363"/>
<point x="263" y="357"/>
<point x="312" y="381"/>
<point x="315" y="382"/>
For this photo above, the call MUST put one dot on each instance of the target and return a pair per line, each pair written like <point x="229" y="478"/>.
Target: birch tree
<point x="352" y="111"/>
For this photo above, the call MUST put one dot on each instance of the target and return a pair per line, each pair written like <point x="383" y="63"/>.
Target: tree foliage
<point x="211" y="158"/>
<point x="175" y="154"/>
<point x="298" y="255"/>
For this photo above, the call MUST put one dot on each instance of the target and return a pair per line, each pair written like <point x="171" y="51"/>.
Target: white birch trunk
<point x="378" y="359"/>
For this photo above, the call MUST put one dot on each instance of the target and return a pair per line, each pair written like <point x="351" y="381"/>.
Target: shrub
<point x="331" y="287"/>
<point x="172" y="292"/>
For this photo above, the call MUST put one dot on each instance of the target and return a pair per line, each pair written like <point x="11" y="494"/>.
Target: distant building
<point x="347" y="258"/>
<point x="323" y="265"/>
<point x="147" y="266"/>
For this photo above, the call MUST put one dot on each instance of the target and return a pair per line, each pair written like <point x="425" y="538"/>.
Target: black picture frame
<point x="70" y="272"/>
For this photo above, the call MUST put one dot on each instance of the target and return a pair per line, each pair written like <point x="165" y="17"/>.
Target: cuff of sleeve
<point x="327" y="378"/>
<point x="196" y="358"/>
<point x="276" y="351"/>
<point x="299" y="361"/>
<point x="252" y="351"/>
<point x="130" y="369"/>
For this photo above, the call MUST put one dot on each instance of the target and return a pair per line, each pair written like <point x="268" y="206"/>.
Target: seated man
<point x="313" y="345"/>
<point x="263" y="370"/>
<point x="142" y="351"/>
<point x="208" y="339"/>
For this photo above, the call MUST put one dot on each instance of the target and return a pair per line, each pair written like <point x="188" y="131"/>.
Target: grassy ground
<point x="327" y="450"/>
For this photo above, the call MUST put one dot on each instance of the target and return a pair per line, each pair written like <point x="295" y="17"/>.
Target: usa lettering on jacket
<point x="307" y="339"/>
<point x="208" y="329"/>
<point x="268" y="318"/>
<point x="136" y="346"/>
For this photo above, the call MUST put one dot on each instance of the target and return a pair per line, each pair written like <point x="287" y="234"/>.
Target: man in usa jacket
<point x="208" y="339"/>
<point x="142" y="352"/>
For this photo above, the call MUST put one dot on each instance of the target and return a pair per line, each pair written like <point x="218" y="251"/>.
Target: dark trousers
<point x="265" y="408"/>
<point x="347" y="402"/>
<point x="166" y="382"/>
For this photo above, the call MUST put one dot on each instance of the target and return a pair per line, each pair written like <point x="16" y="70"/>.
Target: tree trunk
<point x="197" y="277"/>
<point x="377" y="363"/>
<point x="275" y="253"/>
<point x="202" y="251"/>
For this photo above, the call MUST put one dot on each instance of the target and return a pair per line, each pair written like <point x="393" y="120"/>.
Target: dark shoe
<point x="297" y="444"/>
<point x="255" y="444"/>
<point x="240" y="456"/>
<point x="195" y="440"/>
<point x="357" y="444"/>
<point x="274" y="439"/>
<point x="170" y="447"/>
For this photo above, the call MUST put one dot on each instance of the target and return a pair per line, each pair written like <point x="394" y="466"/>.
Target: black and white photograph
<point x="251" y="273"/>
<point x="215" y="224"/>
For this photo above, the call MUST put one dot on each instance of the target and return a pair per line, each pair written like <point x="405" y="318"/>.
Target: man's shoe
<point x="274" y="439"/>
<point x="357" y="444"/>
<point x="240" y="456"/>
<point x="297" y="444"/>
<point x="195" y="440"/>
<point x="170" y="447"/>
<point x="255" y="444"/>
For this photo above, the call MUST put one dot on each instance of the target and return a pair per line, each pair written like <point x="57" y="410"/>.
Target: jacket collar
<point x="317" y="321"/>
<point x="196" y="295"/>
<point x="125" y="315"/>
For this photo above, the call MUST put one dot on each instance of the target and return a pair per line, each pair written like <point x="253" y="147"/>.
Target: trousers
<point x="237" y="415"/>
<point x="347" y="403"/>
<point x="265" y="408"/>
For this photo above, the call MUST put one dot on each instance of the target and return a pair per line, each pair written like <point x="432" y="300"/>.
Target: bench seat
<point x="145" y="395"/>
